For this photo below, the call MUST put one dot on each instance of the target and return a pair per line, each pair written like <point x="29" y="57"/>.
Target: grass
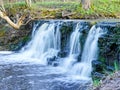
<point x="99" y="8"/>
<point x="58" y="5"/>
<point x="116" y="66"/>
<point x="96" y="83"/>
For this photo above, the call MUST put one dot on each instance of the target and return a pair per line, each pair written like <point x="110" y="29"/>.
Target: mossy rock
<point x="2" y="33"/>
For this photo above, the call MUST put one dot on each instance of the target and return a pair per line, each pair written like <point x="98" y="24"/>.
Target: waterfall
<point x="45" y="42"/>
<point x="75" y="47"/>
<point x="90" y="52"/>
<point x="74" y="41"/>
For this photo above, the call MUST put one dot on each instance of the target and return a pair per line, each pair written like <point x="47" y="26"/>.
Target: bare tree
<point x="4" y="16"/>
<point x="86" y="4"/>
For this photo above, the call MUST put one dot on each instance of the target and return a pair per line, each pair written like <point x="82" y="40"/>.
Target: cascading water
<point x="74" y="41"/>
<point x="45" y="44"/>
<point x="90" y="52"/>
<point x="75" y="47"/>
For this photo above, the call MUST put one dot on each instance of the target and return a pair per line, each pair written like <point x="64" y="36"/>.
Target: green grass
<point x="96" y="82"/>
<point x="107" y="6"/>
<point x="57" y="5"/>
<point x="99" y="8"/>
<point x="116" y="66"/>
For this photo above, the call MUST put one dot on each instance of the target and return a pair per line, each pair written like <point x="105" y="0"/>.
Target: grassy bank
<point x="73" y="10"/>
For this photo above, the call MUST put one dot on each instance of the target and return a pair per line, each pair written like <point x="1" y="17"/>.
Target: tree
<point x="3" y="15"/>
<point x="28" y="3"/>
<point x="86" y="4"/>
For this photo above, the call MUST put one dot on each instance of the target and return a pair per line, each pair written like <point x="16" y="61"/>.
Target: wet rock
<point x="52" y="61"/>
<point x="55" y="63"/>
<point x="98" y="75"/>
<point x="14" y="39"/>
<point x="97" y="65"/>
<point x="63" y="54"/>
<point x="110" y="68"/>
<point x="109" y="45"/>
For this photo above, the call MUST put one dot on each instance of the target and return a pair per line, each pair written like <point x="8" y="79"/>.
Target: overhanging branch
<point x="10" y="22"/>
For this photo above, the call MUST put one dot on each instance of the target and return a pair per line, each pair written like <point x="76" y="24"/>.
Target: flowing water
<point x="44" y="44"/>
<point x="75" y="48"/>
<point x="90" y="53"/>
<point x="29" y="70"/>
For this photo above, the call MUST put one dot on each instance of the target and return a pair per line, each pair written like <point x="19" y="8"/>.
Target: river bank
<point x="111" y="82"/>
<point x="100" y="9"/>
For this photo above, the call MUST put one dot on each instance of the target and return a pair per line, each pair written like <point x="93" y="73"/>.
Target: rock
<point x="109" y="45"/>
<point x="14" y="39"/>
<point x="98" y="75"/>
<point x="63" y="54"/>
<point x="110" y="83"/>
<point x="110" y="68"/>
<point x="97" y="65"/>
<point x="55" y="63"/>
<point x="52" y="61"/>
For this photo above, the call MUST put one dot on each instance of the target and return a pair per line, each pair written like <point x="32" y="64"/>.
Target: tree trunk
<point x="9" y="21"/>
<point x="28" y="3"/>
<point x="34" y="1"/>
<point x="86" y="4"/>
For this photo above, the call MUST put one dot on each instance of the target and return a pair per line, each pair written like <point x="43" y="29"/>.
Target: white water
<point x="90" y="52"/>
<point x="45" y="44"/>
<point x="74" y="41"/>
<point x="46" y="41"/>
<point x="75" y="48"/>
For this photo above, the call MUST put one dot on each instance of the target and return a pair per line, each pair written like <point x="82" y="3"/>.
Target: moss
<point x="2" y="33"/>
<point x="26" y="38"/>
<point x="99" y="9"/>
<point x="66" y="29"/>
<point x="93" y="23"/>
<point x="96" y="82"/>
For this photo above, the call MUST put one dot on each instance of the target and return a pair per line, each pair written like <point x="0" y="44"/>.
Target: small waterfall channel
<point x="75" y="48"/>
<point x="46" y="44"/>
<point x="90" y="53"/>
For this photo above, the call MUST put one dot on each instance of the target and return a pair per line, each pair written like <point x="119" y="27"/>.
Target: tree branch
<point x="20" y="21"/>
<point x="9" y="21"/>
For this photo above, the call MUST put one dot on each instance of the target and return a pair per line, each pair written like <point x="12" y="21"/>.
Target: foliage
<point x="96" y="82"/>
<point x="99" y="8"/>
<point x="116" y="66"/>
